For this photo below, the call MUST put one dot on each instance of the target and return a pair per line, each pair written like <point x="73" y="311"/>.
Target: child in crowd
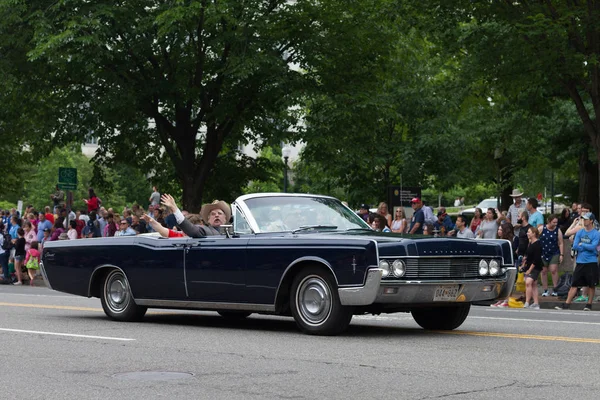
<point x="46" y="237"/>
<point x="19" y="255"/>
<point x="32" y="261"/>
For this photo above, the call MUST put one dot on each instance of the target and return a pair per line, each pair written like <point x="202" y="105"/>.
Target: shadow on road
<point x="363" y="329"/>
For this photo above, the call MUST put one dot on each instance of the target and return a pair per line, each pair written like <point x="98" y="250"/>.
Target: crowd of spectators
<point x="538" y="247"/>
<point x="23" y="235"/>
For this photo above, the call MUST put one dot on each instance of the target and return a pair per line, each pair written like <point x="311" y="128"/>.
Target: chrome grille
<point x="444" y="268"/>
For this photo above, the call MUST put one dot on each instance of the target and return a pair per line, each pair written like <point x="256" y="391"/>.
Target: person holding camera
<point x="586" y="271"/>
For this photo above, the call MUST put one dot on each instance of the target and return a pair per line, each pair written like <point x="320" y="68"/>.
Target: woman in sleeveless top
<point x="552" y="252"/>
<point x="399" y="222"/>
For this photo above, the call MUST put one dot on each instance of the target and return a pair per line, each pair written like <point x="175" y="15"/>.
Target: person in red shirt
<point x="163" y="231"/>
<point x="49" y="216"/>
<point x="93" y="203"/>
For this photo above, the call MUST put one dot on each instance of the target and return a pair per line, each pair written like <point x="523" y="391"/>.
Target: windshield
<point x="286" y="213"/>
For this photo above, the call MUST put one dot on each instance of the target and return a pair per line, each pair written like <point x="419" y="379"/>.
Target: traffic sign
<point x="67" y="175"/>
<point x="67" y="186"/>
<point x="67" y="178"/>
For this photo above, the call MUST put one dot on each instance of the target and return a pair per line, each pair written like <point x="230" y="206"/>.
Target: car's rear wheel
<point x="442" y="318"/>
<point x="315" y="303"/>
<point x="234" y="315"/>
<point x="117" y="300"/>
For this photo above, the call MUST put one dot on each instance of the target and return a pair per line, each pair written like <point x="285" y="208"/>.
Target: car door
<point x="215" y="269"/>
<point x="154" y="267"/>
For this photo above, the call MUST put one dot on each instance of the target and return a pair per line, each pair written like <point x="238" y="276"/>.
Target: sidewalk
<point x="550" y="302"/>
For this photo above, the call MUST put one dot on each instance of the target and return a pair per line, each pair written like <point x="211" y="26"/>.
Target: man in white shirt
<point x="515" y="210"/>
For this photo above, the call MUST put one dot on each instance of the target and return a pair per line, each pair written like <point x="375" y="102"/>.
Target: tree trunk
<point x="589" y="175"/>
<point x="192" y="192"/>
<point x="505" y="199"/>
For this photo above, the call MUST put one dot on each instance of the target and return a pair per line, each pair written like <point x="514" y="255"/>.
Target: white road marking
<point x="545" y="311"/>
<point x="66" y="334"/>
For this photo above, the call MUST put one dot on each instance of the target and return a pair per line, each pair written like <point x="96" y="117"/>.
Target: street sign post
<point x="67" y="180"/>
<point x="67" y="176"/>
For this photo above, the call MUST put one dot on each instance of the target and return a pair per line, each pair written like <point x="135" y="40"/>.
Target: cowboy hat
<point x="221" y="205"/>
<point x="516" y="193"/>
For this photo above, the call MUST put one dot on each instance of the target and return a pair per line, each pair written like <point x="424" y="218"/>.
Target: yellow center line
<point x="56" y="307"/>
<point x="53" y="307"/>
<point x="520" y="336"/>
<point x="466" y="333"/>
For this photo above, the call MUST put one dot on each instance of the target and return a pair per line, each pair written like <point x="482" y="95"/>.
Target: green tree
<point x="182" y="81"/>
<point x="41" y="179"/>
<point x="360" y="138"/>
<point x="547" y="50"/>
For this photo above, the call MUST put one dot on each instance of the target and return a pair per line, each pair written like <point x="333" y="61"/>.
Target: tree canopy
<point x="170" y="86"/>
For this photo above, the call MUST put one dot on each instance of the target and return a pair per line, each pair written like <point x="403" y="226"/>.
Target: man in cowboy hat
<point x="515" y="210"/>
<point x="215" y="214"/>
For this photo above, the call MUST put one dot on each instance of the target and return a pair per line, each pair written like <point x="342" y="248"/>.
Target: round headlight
<point x="483" y="267"/>
<point x="398" y="268"/>
<point x="494" y="268"/>
<point x="385" y="266"/>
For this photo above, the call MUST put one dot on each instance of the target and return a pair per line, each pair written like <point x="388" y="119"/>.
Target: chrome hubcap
<point x="314" y="300"/>
<point x="117" y="292"/>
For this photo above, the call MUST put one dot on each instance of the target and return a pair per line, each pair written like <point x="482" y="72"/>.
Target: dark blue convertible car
<point x="307" y="256"/>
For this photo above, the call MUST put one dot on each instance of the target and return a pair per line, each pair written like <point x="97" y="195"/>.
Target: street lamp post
<point x="285" y="152"/>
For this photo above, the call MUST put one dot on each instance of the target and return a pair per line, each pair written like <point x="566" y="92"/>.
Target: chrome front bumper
<point x="44" y="275"/>
<point x="421" y="292"/>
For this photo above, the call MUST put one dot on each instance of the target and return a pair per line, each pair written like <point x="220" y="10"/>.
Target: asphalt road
<point x="58" y="346"/>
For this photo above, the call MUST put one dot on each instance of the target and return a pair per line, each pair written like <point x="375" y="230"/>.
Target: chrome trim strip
<point x="446" y="256"/>
<point x="235" y="209"/>
<point x="186" y="250"/>
<point x="396" y="282"/>
<point x="362" y="295"/>
<point x="204" y="305"/>
<point x="511" y="277"/>
<point x="302" y="259"/>
<point x="89" y="293"/>
<point x="44" y="275"/>
<point x="417" y="292"/>
<point x="241" y="205"/>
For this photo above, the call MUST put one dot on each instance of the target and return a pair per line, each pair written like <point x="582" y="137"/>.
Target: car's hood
<point x="391" y="244"/>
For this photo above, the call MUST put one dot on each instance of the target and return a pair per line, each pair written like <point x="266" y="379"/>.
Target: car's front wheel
<point x="117" y="300"/>
<point x="315" y="303"/>
<point x="442" y="318"/>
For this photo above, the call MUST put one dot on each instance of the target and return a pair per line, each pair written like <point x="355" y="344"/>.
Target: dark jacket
<point x="197" y="231"/>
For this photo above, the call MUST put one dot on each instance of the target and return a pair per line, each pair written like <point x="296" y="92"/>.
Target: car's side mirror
<point x="227" y="230"/>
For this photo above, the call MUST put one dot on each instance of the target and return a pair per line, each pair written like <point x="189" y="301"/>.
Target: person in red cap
<point x="418" y="218"/>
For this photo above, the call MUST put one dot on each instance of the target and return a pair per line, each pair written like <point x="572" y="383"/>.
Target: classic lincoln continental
<point x="305" y="256"/>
